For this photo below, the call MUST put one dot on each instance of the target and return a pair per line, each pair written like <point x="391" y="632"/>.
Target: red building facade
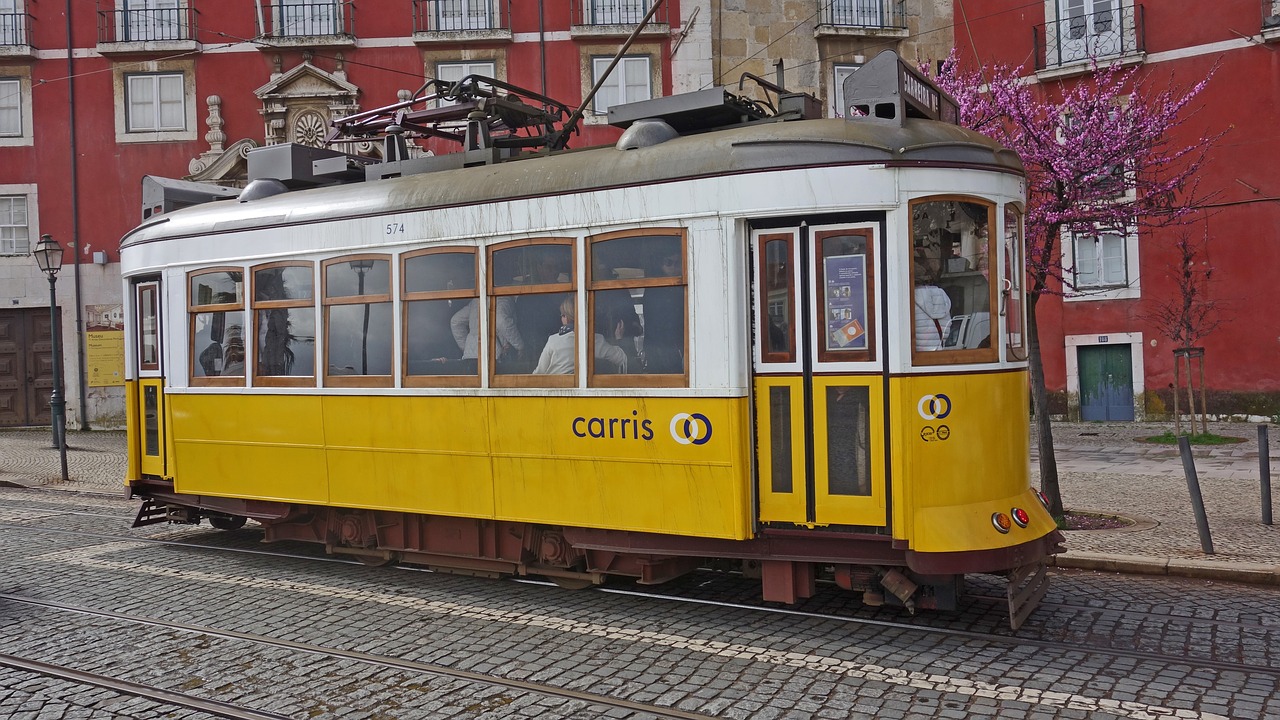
<point x="95" y="96"/>
<point x="1105" y="359"/>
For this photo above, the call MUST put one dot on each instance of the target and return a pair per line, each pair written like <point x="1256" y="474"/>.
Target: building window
<point x="216" y="308"/>
<point x="455" y="71"/>
<point x="284" y="318"/>
<point x="10" y="107"/>
<point x="442" y="314"/>
<point x="532" y="307"/>
<point x="15" y="234"/>
<point x="616" y="12"/>
<point x="156" y="102"/>
<point x="299" y="18"/>
<point x="629" y="82"/>
<point x="637" y="290"/>
<point x="839" y="107"/>
<point x="146" y="20"/>
<point x="357" y="322"/>
<point x="13" y="23"/>
<point x="1077" y="30"/>
<point x="1100" y="261"/>
<point x="456" y="15"/>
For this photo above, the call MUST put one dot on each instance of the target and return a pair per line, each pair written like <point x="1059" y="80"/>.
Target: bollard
<point x="1264" y="473"/>
<point x="1197" y="502"/>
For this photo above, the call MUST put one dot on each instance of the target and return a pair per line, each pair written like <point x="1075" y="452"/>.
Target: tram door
<point x="149" y="398"/>
<point x="818" y="383"/>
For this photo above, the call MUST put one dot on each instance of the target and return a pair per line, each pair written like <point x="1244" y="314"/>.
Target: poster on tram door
<point x="846" y="301"/>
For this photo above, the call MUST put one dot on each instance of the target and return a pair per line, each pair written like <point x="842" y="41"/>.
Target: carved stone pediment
<point x="229" y="168"/>
<point x="299" y="104"/>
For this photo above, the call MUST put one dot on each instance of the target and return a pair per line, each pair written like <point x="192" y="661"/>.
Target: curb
<point x="1252" y="573"/>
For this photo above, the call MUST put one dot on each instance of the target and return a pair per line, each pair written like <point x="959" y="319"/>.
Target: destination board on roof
<point x="918" y="92"/>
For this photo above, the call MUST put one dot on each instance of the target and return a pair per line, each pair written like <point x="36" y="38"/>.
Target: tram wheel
<point x="571" y="583"/>
<point x="227" y="522"/>
<point x="378" y="560"/>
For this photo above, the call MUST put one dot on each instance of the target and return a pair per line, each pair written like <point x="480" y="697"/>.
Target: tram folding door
<point x="818" y="385"/>
<point x="148" y="397"/>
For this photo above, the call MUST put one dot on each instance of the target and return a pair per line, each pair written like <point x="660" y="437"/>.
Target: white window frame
<point x="8" y="245"/>
<point x="122" y="73"/>
<point x="15" y="91"/>
<point x="1058" y="13"/>
<point x="615" y="12"/>
<point x="1130" y="288"/>
<point x="488" y="68"/>
<point x="617" y="80"/>
<point x="150" y="20"/>
<point x="839" y="72"/>
<point x="469" y="15"/>
<point x="13" y="24"/>
<point x="286" y="13"/>
<point x="134" y="82"/>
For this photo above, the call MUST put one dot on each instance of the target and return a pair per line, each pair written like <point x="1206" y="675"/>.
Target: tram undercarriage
<point x="789" y="563"/>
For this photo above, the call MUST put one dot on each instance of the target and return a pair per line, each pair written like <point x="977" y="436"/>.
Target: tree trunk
<point x="1044" y="428"/>
<point x="1191" y="395"/>
<point x="1177" y="388"/>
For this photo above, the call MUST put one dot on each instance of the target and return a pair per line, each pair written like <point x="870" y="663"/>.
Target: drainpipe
<point x="542" y="44"/>
<point x="75" y="225"/>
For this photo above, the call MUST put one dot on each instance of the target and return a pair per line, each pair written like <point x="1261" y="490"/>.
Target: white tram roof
<point x="753" y="148"/>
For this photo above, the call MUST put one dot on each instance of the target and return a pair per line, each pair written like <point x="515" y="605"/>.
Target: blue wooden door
<point x="1106" y="382"/>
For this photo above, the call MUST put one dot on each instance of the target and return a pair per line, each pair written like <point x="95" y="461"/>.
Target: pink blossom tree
<point x="1100" y="157"/>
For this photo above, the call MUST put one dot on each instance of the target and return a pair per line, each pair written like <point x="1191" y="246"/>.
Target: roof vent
<point x="262" y="188"/>
<point x="646" y="132"/>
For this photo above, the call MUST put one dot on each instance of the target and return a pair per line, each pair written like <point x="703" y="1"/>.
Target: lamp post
<point x="361" y="267"/>
<point x="49" y="257"/>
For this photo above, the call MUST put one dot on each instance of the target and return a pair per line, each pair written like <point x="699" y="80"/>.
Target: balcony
<point x="1270" y="20"/>
<point x="306" y="23"/>
<point x="453" y="21"/>
<point x="149" y="30"/>
<point x="861" y="17"/>
<point x="15" y="35"/>
<point x="613" y="18"/>
<point x="1069" y="46"/>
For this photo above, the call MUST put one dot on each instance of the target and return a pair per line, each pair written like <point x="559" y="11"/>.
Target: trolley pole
<point x="1197" y="501"/>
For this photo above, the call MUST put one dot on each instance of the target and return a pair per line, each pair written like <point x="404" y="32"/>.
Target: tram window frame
<point x="820" y="296"/>
<point x="763" y="322"/>
<point x="329" y="302"/>
<point x="515" y="291"/>
<point x="1013" y="296"/>
<point x="989" y="354"/>
<point x="152" y="289"/>
<point x="407" y="296"/>
<point x="597" y="286"/>
<point x="257" y="306"/>
<point x="195" y="309"/>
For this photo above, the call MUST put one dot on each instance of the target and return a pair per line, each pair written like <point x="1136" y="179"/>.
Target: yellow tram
<point x="789" y="342"/>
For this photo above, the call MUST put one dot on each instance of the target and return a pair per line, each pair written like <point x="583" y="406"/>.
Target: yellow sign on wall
<point x="104" y="345"/>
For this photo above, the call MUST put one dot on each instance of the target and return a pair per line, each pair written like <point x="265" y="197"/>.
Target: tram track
<point x="386" y="662"/>
<point x="918" y="626"/>
<point x="158" y="695"/>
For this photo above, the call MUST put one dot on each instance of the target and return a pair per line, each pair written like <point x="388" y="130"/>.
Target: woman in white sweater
<point x="560" y="352"/>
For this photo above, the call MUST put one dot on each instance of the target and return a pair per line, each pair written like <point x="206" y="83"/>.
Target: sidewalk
<point x="1102" y="467"/>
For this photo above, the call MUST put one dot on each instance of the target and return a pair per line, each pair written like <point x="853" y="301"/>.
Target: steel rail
<point x="366" y="658"/>
<point x="124" y="687"/>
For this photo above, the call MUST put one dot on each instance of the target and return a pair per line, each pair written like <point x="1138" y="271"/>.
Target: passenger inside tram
<point x="559" y="355"/>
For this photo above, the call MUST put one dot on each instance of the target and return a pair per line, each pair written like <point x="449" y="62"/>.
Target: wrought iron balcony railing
<point x="872" y="14"/>
<point x="15" y="29"/>
<point x="615" y="12"/>
<point x="1106" y="34"/>
<point x="148" y="25"/>
<point x="298" y="18"/>
<point x="443" y="16"/>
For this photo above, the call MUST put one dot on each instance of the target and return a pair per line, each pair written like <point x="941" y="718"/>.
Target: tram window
<point x="529" y="281"/>
<point x="284" y="324"/>
<point x="441" y="317"/>
<point x="216" y="308"/>
<point x="1011" y="295"/>
<point x="358" y="337"/>
<point x="638" y="298"/>
<point x="952" y="296"/>
<point x="149" y="327"/>
<point x="848" y="441"/>
<point x="846" y="290"/>
<point x="776" y="325"/>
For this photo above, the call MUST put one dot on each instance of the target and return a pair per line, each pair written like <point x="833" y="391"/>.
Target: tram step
<point x="151" y="513"/>
<point x="1027" y="586"/>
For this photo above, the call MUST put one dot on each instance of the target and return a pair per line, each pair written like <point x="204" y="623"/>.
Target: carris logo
<point x="934" y="407"/>
<point x="690" y="428"/>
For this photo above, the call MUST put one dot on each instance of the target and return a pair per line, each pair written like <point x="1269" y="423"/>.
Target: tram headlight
<point x="1020" y="517"/>
<point x="1001" y="522"/>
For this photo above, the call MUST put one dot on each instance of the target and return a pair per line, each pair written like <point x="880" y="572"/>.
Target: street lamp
<point x="49" y="257"/>
<point x="361" y="267"/>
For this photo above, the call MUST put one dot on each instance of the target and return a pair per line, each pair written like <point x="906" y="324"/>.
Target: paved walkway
<point x="1103" y="467"/>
